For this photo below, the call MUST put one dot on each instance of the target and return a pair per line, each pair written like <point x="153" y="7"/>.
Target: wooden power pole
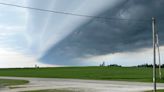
<point x="154" y="53"/>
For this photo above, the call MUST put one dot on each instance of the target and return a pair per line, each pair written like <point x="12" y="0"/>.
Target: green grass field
<point x="95" y="73"/>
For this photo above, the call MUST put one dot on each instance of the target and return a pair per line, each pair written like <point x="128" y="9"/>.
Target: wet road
<point x="79" y="85"/>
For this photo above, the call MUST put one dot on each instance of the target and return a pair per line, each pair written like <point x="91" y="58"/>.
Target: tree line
<point x="142" y="65"/>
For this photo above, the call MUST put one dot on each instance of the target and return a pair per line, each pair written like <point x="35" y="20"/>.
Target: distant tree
<point x="150" y="65"/>
<point x="145" y="65"/>
<point x="114" y="65"/>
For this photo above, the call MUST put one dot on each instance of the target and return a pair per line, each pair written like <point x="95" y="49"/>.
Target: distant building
<point x="103" y="64"/>
<point x="36" y="66"/>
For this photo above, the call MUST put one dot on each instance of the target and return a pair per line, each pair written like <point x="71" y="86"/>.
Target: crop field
<point x="95" y="73"/>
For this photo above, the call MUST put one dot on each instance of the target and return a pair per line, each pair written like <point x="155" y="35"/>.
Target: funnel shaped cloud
<point x="49" y="28"/>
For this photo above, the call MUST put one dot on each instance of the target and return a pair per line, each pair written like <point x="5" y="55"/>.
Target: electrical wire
<point x="73" y="14"/>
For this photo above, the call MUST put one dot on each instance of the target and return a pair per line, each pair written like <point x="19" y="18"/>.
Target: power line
<point x="73" y="14"/>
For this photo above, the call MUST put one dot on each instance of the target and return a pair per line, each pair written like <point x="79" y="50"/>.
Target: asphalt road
<point x="80" y="85"/>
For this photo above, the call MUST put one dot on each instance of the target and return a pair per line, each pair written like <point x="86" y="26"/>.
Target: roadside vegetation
<point x="141" y="74"/>
<point x="157" y="91"/>
<point x="9" y="82"/>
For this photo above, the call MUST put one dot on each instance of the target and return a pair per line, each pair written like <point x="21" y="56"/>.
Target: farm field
<point x="93" y="73"/>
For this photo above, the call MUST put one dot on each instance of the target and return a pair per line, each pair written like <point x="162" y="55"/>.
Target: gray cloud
<point x="100" y="36"/>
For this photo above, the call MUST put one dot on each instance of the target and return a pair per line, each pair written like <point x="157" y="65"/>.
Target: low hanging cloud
<point x="47" y="29"/>
<point x="101" y="36"/>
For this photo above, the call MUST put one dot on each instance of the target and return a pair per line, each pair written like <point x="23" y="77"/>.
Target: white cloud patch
<point x="13" y="40"/>
<point x="11" y="58"/>
<point x="126" y="58"/>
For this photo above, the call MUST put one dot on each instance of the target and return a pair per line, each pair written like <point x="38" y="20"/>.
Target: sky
<point x="30" y="37"/>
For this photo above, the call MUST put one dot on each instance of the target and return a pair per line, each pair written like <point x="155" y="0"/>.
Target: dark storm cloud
<point x="100" y="36"/>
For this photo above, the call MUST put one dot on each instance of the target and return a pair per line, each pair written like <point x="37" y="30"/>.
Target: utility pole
<point x="154" y="53"/>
